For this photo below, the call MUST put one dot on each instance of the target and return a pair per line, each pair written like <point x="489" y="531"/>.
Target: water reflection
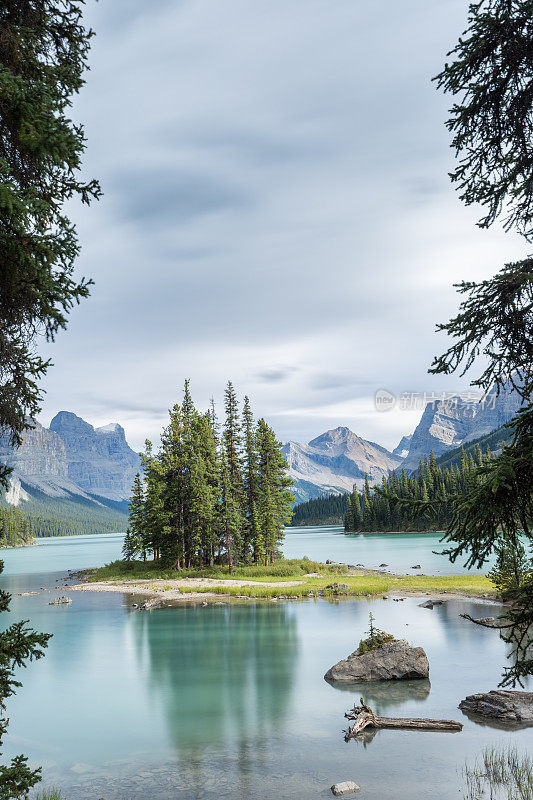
<point x="220" y="674"/>
<point x="381" y="696"/>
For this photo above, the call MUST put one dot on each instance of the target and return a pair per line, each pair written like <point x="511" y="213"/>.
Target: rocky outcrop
<point x="99" y="460"/>
<point x="402" y="449"/>
<point x="393" y="661"/>
<point x="42" y="452"/>
<point x="502" y="705"/>
<point x="334" y="461"/>
<point x="448" y="423"/>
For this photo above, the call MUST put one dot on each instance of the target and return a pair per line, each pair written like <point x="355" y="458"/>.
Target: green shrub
<point x="376" y="638"/>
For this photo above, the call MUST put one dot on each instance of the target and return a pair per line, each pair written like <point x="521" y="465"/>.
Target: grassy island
<point x="293" y="578"/>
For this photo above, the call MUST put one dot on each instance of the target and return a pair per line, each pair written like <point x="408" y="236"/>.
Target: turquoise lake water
<point x="198" y="703"/>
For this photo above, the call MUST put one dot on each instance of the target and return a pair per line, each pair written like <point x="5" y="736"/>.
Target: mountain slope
<point x="71" y="477"/>
<point x="493" y="440"/>
<point x="447" y="424"/>
<point x="334" y="461"/>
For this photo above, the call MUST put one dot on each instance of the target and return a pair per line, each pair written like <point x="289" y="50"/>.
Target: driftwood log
<point x="363" y="717"/>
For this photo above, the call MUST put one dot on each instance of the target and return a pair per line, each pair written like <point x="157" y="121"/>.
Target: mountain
<point x="447" y="424"/>
<point x="99" y="460"/>
<point x="334" y="461"/>
<point x="494" y="440"/>
<point x="71" y="477"/>
<point x="402" y="449"/>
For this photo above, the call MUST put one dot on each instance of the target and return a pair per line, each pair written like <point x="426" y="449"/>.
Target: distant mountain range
<point x="72" y="471"/>
<point x="337" y="459"/>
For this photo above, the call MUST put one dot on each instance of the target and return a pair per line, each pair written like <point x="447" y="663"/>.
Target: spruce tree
<point x="356" y="509"/>
<point x="274" y="496"/>
<point x="348" y="515"/>
<point x="232" y="438"/>
<point x="136" y="515"/>
<point x="252" y="535"/>
<point x="489" y="77"/>
<point x="43" y="57"/>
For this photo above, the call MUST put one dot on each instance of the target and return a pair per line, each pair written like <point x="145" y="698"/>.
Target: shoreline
<point x="309" y="587"/>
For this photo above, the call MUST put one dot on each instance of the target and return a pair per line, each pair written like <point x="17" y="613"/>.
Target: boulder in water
<point x="392" y="661"/>
<point x="344" y="787"/>
<point x="500" y="704"/>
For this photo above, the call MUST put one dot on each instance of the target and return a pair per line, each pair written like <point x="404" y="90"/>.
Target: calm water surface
<point x="229" y="701"/>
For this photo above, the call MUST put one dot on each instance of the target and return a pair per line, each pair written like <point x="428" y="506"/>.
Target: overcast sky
<point x="276" y="210"/>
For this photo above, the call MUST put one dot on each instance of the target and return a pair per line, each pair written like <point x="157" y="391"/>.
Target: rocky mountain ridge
<point x="334" y="461"/>
<point x="448" y="423"/>
<point x="71" y="458"/>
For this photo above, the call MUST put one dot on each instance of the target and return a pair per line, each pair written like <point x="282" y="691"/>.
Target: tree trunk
<point x="364" y="717"/>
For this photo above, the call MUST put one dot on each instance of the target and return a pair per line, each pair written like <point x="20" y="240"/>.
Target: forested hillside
<point x="15" y="529"/>
<point x="327" y="510"/>
<point x="61" y="516"/>
<point x="373" y="511"/>
<point x="494" y="441"/>
<point x="370" y="511"/>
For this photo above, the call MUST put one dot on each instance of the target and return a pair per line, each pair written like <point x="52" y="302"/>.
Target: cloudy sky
<point x="276" y="211"/>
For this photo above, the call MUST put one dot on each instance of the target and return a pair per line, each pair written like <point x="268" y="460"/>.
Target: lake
<point x="198" y="703"/>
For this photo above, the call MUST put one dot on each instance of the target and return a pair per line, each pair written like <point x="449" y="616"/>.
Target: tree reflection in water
<point x="224" y="678"/>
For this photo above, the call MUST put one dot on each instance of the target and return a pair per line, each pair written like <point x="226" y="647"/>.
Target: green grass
<point x="284" y="569"/>
<point x="334" y="580"/>
<point x="499" y="773"/>
<point x="49" y="794"/>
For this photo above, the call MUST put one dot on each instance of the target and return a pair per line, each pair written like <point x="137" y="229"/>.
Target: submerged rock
<point x="393" y="661"/>
<point x="344" y="787"/>
<point x="60" y="601"/>
<point x="507" y="706"/>
<point x="430" y="603"/>
<point x="148" y="605"/>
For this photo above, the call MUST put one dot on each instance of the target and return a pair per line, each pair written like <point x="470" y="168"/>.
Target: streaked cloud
<point x="277" y="210"/>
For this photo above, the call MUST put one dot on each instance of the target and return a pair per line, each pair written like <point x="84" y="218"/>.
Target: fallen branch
<point x="364" y="717"/>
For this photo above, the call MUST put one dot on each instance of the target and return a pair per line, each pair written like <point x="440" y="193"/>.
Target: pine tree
<point x="366" y="506"/>
<point x="232" y="438"/>
<point x="230" y="515"/>
<point x="252" y="536"/>
<point x="136" y="515"/>
<point x="43" y="56"/>
<point x="18" y="645"/>
<point x="131" y="546"/>
<point x="356" y="509"/>
<point x="274" y="496"/>
<point x="348" y="515"/>
<point x="155" y="519"/>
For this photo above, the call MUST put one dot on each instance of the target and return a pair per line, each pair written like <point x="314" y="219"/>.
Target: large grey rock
<point x="500" y="704"/>
<point x="393" y="661"/>
<point x="335" y="461"/>
<point x="344" y="787"/>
